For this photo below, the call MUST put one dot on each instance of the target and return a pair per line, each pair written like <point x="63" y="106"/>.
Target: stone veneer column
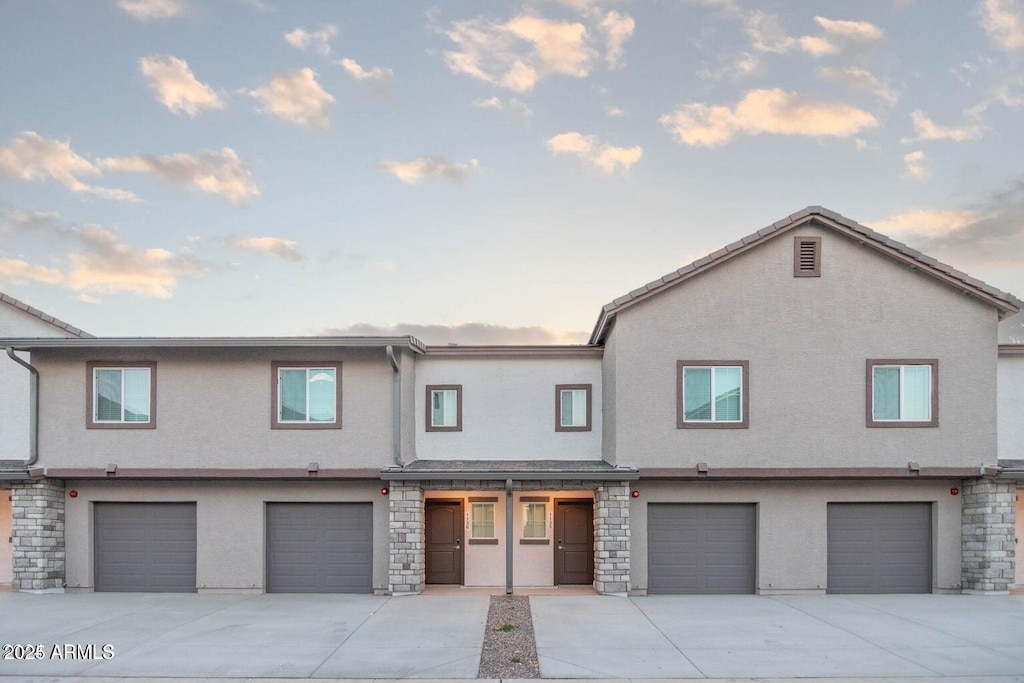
<point x="37" y="534"/>
<point x="407" y="562"/>
<point x="987" y="532"/>
<point x="611" y="537"/>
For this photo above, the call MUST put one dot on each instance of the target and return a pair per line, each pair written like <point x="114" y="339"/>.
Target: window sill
<point x="902" y="425"/>
<point x="120" y="425"/>
<point x="483" y="541"/>
<point x="534" y="541"/>
<point x="305" y="425"/>
<point x="714" y="425"/>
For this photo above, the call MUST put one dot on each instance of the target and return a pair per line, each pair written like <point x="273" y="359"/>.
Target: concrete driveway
<point x="440" y="636"/>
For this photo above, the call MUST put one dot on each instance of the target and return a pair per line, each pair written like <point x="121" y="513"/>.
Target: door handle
<point x="561" y="547"/>
<point x="458" y="544"/>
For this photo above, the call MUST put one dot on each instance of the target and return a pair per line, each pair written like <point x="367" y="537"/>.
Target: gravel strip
<point x="509" y="653"/>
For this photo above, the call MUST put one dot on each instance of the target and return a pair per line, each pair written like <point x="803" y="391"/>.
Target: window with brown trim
<point x="573" y="407"/>
<point x="712" y="394"/>
<point x="806" y="257"/>
<point x="305" y="395"/>
<point x="902" y="392"/>
<point x="443" y="408"/>
<point x="120" y="395"/>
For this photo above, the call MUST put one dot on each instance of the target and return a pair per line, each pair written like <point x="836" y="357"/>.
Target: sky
<point x="480" y="172"/>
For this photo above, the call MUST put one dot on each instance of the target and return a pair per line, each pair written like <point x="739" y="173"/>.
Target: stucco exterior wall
<point x="230" y="525"/>
<point x="609" y="437"/>
<point x="213" y="411"/>
<point x="1010" y="407"/>
<point x="792" y="525"/>
<point x="14" y="381"/>
<point x="807" y="341"/>
<point x="508" y="409"/>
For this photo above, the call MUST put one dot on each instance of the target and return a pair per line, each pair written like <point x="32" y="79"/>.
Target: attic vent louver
<point x="806" y="257"/>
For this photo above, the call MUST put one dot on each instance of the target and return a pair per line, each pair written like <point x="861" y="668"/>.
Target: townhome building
<point x="1010" y="417"/>
<point x="810" y="409"/>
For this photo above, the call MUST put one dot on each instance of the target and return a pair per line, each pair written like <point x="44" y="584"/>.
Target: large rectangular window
<point x="121" y="395"/>
<point x="902" y="393"/>
<point x="444" y="408"/>
<point x="573" y="407"/>
<point x="306" y="395"/>
<point x="712" y="394"/>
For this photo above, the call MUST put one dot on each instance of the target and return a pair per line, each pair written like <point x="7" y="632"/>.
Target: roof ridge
<point x="755" y="238"/>
<point x="46" y="318"/>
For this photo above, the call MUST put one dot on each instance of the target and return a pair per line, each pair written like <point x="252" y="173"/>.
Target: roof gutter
<point x="33" y="408"/>
<point x="396" y="405"/>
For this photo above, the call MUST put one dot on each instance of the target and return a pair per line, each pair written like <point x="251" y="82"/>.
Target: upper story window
<point x="306" y="395"/>
<point x="121" y="395"/>
<point x="712" y="394"/>
<point x="444" y="408"/>
<point x="572" y="407"/>
<point x="806" y="257"/>
<point x="902" y="393"/>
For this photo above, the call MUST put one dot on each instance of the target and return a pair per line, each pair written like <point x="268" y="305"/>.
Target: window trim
<point x="428" y="410"/>
<point x="816" y="272"/>
<point x="682" y="423"/>
<point x="90" y="373"/>
<point x="276" y="366"/>
<point x="559" y="388"/>
<point x="869" y="383"/>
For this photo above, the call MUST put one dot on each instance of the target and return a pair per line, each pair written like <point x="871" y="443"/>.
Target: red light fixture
<point x="73" y="494"/>
<point x="954" y="491"/>
<point x="384" y="491"/>
<point x="635" y="494"/>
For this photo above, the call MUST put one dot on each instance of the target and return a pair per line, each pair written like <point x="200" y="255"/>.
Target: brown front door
<point x="574" y="533"/>
<point x="444" y="541"/>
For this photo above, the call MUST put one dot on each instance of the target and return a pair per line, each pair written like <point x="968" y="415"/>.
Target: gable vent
<point x="807" y="257"/>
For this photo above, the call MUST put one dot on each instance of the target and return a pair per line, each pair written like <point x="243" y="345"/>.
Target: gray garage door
<point x="145" y="547"/>
<point x="319" y="547"/>
<point x="879" y="548"/>
<point x="701" y="548"/>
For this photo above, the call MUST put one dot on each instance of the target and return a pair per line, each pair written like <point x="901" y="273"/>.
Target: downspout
<point x="396" y="407"/>
<point x="508" y="537"/>
<point x="33" y="408"/>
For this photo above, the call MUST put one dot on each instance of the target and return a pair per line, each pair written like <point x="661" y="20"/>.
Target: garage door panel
<point x="879" y="548"/>
<point x="319" y="547"/>
<point x="701" y="548"/>
<point x="147" y="547"/>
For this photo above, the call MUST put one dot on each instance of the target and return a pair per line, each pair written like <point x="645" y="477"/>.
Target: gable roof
<point x="1007" y="304"/>
<point x="56" y="322"/>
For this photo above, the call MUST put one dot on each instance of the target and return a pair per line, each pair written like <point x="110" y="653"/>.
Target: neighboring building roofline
<point x="46" y="318"/>
<point x="30" y="344"/>
<point x="1006" y="303"/>
<point x="556" y="351"/>
<point x="1011" y="349"/>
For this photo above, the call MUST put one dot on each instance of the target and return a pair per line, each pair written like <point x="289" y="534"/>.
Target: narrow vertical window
<point x="535" y="520"/>
<point x="573" y="407"/>
<point x="806" y="257"/>
<point x="444" y="408"/>
<point x="482" y="520"/>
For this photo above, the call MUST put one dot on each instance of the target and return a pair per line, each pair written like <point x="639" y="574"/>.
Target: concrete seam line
<point x="663" y="635"/>
<point x="352" y="633"/>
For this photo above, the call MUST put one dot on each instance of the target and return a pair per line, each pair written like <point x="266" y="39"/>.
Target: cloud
<point x="851" y="30"/>
<point x="30" y="157"/>
<point x="764" y="111"/>
<point x="927" y="129"/>
<point x="915" y="164"/>
<point x="286" y="249"/>
<point x="987" y="234"/>
<point x="176" y="86"/>
<point x="767" y="34"/>
<point x="857" y="78"/>
<point x="600" y="155"/>
<point x="1003" y="20"/>
<point x="613" y="111"/>
<point x="98" y="262"/>
<point x="733" y="67"/>
<point x="221" y="173"/>
<point x="517" y="53"/>
<point x="412" y="172"/>
<point x="617" y="29"/>
<point x="465" y="333"/>
<point x="16" y="270"/>
<point x="317" y="40"/>
<point x="379" y="79"/>
<point x="518" y="110"/>
<point x="296" y="97"/>
<point x="151" y="10"/>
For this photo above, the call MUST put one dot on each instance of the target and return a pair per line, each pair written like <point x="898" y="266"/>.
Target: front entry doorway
<point x="574" y="536"/>
<point x="444" y="555"/>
